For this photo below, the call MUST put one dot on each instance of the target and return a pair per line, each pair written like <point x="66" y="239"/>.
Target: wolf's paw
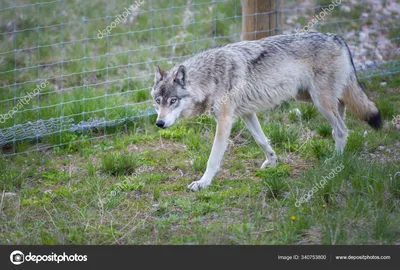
<point x="196" y="185"/>
<point x="271" y="162"/>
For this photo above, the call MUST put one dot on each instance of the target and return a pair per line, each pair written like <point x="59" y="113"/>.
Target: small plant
<point x="12" y="179"/>
<point x="324" y="130"/>
<point x="320" y="148"/>
<point x="141" y="96"/>
<point x="91" y="169"/>
<point x="291" y="147"/>
<point x="199" y="164"/>
<point x="119" y="164"/>
<point x="174" y="132"/>
<point x="193" y="140"/>
<point x="281" y="134"/>
<point x="54" y="176"/>
<point x="293" y="117"/>
<point x="384" y="230"/>
<point x="273" y="173"/>
<point x="308" y="111"/>
<point x="274" y="179"/>
<point x="355" y="141"/>
<point x="386" y="107"/>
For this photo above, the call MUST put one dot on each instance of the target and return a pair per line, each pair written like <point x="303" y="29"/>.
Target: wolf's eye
<point x="158" y="101"/>
<point x="173" y="100"/>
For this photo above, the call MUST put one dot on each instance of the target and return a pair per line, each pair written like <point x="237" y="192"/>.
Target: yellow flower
<point x="323" y="205"/>
<point x="293" y="218"/>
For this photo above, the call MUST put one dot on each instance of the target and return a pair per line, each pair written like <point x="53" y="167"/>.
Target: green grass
<point x="131" y="188"/>
<point x="119" y="164"/>
<point x="100" y="77"/>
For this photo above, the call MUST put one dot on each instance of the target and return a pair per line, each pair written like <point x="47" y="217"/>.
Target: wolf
<point x="240" y="79"/>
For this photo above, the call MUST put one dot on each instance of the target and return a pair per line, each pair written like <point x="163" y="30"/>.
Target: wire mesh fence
<point x="74" y="70"/>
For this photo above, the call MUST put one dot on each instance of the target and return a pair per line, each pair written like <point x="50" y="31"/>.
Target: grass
<point x="119" y="164"/>
<point x="53" y="196"/>
<point x="130" y="188"/>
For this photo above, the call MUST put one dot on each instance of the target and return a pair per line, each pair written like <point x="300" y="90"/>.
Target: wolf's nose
<point x="160" y="123"/>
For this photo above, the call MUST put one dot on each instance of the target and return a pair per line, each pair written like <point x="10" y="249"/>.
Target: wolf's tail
<point x="357" y="101"/>
<point x="355" y="98"/>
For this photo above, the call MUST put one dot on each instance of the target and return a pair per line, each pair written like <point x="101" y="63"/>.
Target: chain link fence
<point x="79" y="69"/>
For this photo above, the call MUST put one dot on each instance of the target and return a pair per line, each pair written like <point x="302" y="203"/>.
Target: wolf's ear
<point x="180" y="76"/>
<point x="159" y="74"/>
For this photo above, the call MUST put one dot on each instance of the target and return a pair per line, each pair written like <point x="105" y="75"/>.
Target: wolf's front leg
<point x="224" y="126"/>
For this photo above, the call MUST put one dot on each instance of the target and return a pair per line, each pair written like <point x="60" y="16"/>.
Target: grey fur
<point x="258" y="75"/>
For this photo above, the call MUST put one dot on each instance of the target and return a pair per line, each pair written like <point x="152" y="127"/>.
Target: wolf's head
<point x="171" y="94"/>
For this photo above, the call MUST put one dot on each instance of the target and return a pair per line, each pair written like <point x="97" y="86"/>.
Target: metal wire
<point x="101" y="75"/>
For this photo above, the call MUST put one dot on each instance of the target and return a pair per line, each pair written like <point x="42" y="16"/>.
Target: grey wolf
<point x="258" y="75"/>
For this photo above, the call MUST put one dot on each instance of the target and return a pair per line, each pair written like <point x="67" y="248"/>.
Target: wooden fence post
<point x="260" y="18"/>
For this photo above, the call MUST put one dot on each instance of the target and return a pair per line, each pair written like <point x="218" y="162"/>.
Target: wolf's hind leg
<point x="224" y="126"/>
<point x="255" y="129"/>
<point x="342" y="110"/>
<point x="334" y="113"/>
<point x="342" y="113"/>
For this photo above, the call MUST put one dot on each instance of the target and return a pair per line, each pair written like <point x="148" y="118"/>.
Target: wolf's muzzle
<point x="160" y="123"/>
